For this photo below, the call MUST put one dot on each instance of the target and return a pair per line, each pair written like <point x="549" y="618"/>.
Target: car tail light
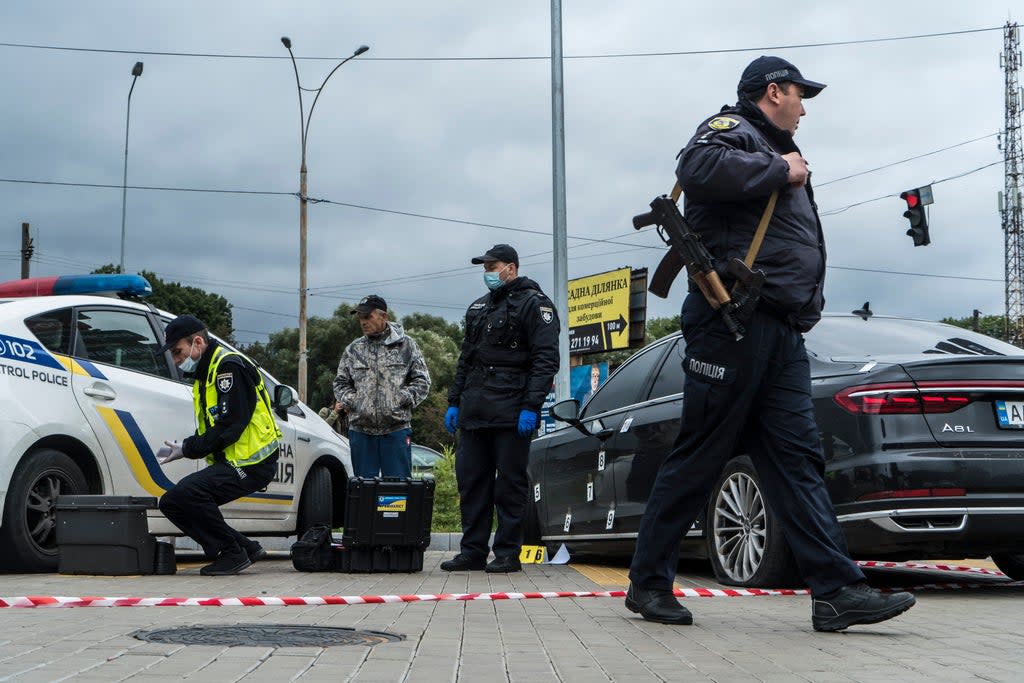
<point x="914" y="493"/>
<point x="902" y="398"/>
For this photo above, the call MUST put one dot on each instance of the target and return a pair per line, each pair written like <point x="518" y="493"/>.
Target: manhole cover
<point x="267" y="635"/>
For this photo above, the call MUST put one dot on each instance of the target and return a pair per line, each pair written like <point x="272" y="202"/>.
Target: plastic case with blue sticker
<point x="388" y="511"/>
<point x="387" y="525"/>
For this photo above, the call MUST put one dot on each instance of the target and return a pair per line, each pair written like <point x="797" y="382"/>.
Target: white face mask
<point x="188" y="364"/>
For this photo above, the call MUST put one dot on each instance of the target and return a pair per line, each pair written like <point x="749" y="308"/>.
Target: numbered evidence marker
<point x="626" y="425"/>
<point x="568" y="521"/>
<point x="600" y="460"/>
<point x="609" y="521"/>
<point x="590" y="488"/>
<point x="536" y="493"/>
<point x="532" y="554"/>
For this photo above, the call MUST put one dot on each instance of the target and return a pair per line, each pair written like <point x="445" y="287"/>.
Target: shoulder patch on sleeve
<point x="722" y="123"/>
<point x="547" y="314"/>
<point x="225" y="380"/>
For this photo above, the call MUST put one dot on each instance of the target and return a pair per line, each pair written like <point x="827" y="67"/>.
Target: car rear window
<point x="52" y="329"/>
<point x="854" y="337"/>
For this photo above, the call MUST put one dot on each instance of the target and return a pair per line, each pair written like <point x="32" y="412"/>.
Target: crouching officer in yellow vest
<point x="235" y="432"/>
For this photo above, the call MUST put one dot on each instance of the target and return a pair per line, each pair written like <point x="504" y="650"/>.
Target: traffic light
<point x="916" y="215"/>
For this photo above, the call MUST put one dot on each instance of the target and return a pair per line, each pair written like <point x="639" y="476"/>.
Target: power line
<point x="899" y="272"/>
<point x="832" y="212"/>
<point x="144" y="187"/>
<point x="610" y="55"/>
<point x="903" y="161"/>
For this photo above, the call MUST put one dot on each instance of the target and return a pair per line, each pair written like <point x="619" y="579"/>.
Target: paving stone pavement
<point x="952" y="635"/>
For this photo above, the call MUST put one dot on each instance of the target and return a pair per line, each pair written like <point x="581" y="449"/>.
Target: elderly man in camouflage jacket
<point x="381" y="377"/>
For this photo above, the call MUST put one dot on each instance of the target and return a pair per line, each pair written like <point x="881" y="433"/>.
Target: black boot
<point x="255" y="551"/>
<point x="857" y="603"/>
<point x="503" y="565"/>
<point x="461" y="563"/>
<point x="657" y="605"/>
<point x="230" y="561"/>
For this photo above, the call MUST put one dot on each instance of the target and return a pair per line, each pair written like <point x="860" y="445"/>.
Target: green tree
<point x="433" y="323"/>
<point x="661" y="327"/>
<point x="992" y="325"/>
<point x="176" y="298"/>
<point x="326" y="339"/>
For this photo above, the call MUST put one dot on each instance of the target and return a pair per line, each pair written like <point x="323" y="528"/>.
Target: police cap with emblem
<point x="499" y="252"/>
<point x="764" y="70"/>
<point x="370" y="303"/>
<point x="181" y="327"/>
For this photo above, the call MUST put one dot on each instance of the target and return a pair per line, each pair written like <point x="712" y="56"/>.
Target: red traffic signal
<point x="915" y="214"/>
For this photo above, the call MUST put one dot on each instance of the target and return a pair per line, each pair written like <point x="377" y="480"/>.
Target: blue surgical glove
<point x="527" y="422"/>
<point x="451" y="419"/>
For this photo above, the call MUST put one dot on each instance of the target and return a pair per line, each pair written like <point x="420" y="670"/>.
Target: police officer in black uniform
<point x="753" y="396"/>
<point x="508" y="361"/>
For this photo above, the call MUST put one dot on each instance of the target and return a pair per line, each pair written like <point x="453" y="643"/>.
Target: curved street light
<point x="136" y="72"/>
<point x="304" y="120"/>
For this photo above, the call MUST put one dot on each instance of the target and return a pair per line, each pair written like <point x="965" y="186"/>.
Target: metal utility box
<point x="105" y="535"/>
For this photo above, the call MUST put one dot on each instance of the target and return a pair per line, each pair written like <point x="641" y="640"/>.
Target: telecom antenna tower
<point x="1010" y="198"/>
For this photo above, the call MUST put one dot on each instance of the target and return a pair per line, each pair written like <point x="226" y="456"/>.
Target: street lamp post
<point x="136" y="72"/>
<point x="304" y="120"/>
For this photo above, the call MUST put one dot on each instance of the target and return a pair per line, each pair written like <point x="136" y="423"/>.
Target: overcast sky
<point x="414" y="126"/>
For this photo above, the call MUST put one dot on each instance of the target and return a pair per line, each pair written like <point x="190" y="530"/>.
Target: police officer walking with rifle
<point x="747" y="387"/>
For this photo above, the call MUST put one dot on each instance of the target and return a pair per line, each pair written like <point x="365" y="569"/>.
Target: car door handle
<point x="100" y="391"/>
<point x="304" y="438"/>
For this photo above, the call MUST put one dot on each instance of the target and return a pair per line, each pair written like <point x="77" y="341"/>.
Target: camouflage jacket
<point x="380" y="380"/>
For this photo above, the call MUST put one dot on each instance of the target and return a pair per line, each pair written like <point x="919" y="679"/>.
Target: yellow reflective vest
<point x="261" y="436"/>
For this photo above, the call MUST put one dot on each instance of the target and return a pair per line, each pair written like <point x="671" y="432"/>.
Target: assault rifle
<point x="688" y="250"/>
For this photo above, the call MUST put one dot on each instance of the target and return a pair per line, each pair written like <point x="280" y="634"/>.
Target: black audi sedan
<point x="921" y="423"/>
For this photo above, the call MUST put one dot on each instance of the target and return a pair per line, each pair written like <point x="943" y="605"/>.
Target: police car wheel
<point x="745" y="543"/>
<point x="317" y="502"/>
<point x="29" y="533"/>
<point x="1011" y="564"/>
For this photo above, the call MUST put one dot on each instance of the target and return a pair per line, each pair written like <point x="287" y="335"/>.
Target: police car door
<point x="278" y="499"/>
<point x="131" y="397"/>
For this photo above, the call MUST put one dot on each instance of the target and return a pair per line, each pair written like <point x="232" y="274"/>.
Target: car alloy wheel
<point x="739" y="526"/>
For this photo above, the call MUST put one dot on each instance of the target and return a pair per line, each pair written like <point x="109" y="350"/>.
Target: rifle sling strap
<point x="762" y="227"/>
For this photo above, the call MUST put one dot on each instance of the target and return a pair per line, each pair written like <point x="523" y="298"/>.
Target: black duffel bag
<point x="313" y="552"/>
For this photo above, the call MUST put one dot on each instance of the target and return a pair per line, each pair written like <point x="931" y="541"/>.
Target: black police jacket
<point x="727" y="172"/>
<point x="509" y="356"/>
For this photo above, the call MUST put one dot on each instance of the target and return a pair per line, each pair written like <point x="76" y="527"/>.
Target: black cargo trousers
<point x="481" y="453"/>
<point x="193" y="504"/>
<point x="752" y="396"/>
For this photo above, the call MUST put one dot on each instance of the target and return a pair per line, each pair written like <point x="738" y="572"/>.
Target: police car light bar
<point x="110" y="285"/>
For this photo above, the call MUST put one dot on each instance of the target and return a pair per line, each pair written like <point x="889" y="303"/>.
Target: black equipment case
<point x="105" y="535"/>
<point x="387" y="525"/>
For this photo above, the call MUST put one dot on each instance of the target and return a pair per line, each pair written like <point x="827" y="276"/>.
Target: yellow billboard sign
<point x="599" y="312"/>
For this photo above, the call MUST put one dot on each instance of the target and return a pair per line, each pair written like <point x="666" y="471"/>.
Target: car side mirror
<point x="568" y="411"/>
<point x="284" y="398"/>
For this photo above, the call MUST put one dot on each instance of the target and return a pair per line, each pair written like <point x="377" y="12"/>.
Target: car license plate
<point x="1010" y="414"/>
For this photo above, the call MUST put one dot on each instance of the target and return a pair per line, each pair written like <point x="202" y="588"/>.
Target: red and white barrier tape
<point x="871" y="564"/>
<point x="286" y="601"/>
<point x="289" y="601"/>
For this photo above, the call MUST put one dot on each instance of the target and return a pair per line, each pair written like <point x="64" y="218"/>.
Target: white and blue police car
<point x="86" y="401"/>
